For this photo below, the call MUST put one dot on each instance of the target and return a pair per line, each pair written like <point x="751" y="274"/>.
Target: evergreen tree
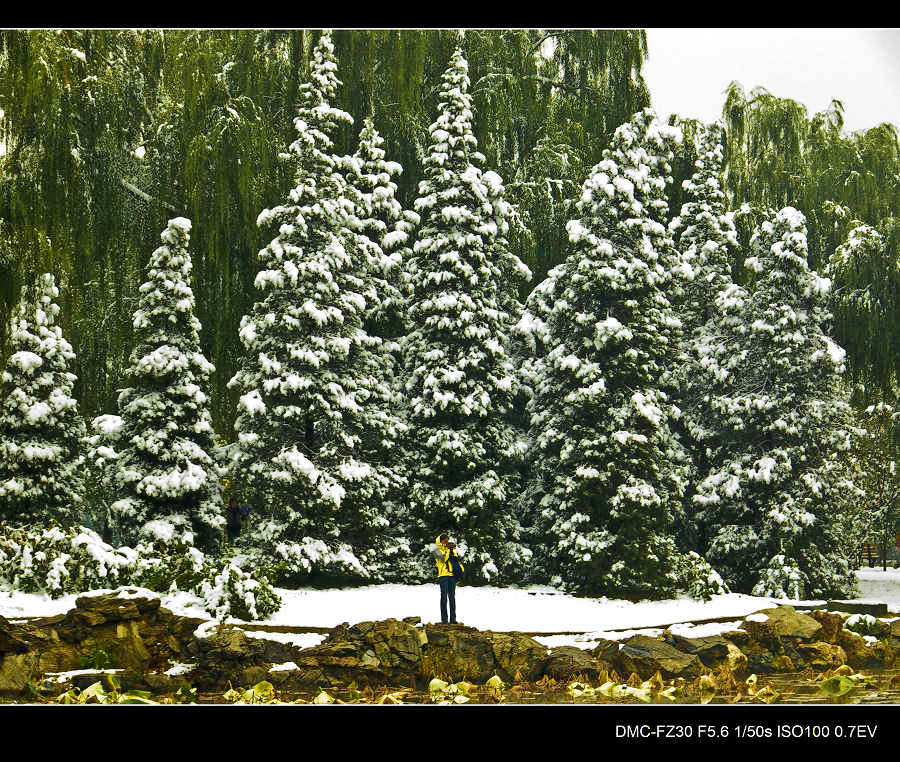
<point x="608" y="472"/>
<point x="309" y="384"/>
<point x="704" y="231"/>
<point x="166" y="466"/>
<point x="461" y="452"/>
<point x="40" y="427"/>
<point x="772" y="420"/>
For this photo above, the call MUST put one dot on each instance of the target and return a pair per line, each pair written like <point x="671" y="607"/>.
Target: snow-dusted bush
<point x="866" y="624"/>
<point x="698" y="579"/>
<point x="40" y="428"/>
<point x="232" y="592"/>
<point x="59" y="561"/>
<point x="167" y="559"/>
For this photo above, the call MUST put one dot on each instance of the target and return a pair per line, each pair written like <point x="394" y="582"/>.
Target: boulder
<point x="859" y="654"/>
<point x="455" y="652"/>
<point x="228" y="644"/>
<point x="710" y="649"/>
<point x="17" y="638"/>
<point x="781" y="622"/>
<point x="517" y="656"/>
<point x="396" y="645"/>
<point x="736" y="659"/>
<point x="831" y="625"/>
<point x="16" y="671"/>
<point x="895" y="628"/>
<point x="567" y="662"/>
<point x="821" y="655"/>
<point x="606" y="651"/>
<point x="646" y="656"/>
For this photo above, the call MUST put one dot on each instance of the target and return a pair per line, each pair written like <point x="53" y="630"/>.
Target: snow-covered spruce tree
<point x="383" y="231"/>
<point x="165" y="466"/>
<point x="461" y="453"/>
<point x="704" y="231"/>
<point x="773" y="418"/>
<point x="608" y="473"/>
<point x="40" y="428"/>
<point x="308" y="384"/>
<point x="382" y="219"/>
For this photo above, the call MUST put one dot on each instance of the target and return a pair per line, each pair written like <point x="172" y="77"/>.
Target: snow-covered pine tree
<point x="704" y="231"/>
<point x="461" y="452"/>
<point x="40" y="428"/>
<point x="772" y="419"/>
<point x="309" y="378"/>
<point x="382" y="220"/>
<point x="383" y="231"/>
<point x="166" y="467"/>
<point x="608" y="473"/>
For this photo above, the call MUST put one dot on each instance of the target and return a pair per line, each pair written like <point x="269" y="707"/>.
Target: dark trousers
<point x="232" y="533"/>
<point x="448" y="593"/>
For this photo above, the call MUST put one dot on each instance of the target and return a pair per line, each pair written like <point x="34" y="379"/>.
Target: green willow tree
<point x="779" y="155"/>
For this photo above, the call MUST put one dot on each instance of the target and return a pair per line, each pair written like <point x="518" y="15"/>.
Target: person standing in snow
<point x="235" y="515"/>
<point x="446" y="560"/>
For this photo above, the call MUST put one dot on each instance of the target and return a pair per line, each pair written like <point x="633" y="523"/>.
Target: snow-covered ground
<point x="534" y="609"/>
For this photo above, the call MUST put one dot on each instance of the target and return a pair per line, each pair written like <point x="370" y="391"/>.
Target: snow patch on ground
<point x="536" y="609"/>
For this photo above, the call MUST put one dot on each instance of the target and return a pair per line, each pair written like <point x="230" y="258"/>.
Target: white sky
<point x="688" y="70"/>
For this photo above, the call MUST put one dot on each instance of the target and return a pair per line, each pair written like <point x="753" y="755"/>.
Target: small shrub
<point x="698" y="579"/>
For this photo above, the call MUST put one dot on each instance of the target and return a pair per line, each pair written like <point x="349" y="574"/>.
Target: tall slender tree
<point x="166" y="467"/>
<point x="40" y="427"/>
<point x="608" y="472"/>
<point x="775" y="417"/>
<point x="306" y="384"/>
<point x="461" y="451"/>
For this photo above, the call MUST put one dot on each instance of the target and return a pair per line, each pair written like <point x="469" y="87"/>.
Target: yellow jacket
<point x="442" y="559"/>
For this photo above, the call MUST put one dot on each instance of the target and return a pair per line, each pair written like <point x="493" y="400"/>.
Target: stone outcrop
<point x="646" y="656"/>
<point x="129" y="633"/>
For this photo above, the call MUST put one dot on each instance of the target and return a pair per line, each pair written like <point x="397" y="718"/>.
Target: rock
<point x="710" y="649"/>
<point x="606" y="651"/>
<point x="14" y="638"/>
<point x="858" y="607"/>
<point x="760" y="660"/>
<point x="16" y="671"/>
<point x="110" y="608"/>
<point x="736" y="659"/>
<point x="159" y="683"/>
<point x="859" y="654"/>
<point x="413" y="620"/>
<point x="333" y="663"/>
<point x="822" y="655"/>
<point x="395" y="644"/>
<point x="229" y="645"/>
<point x="518" y="655"/>
<point x="253" y="675"/>
<point x="567" y="662"/>
<point x="456" y="652"/>
<point x="782" y="622"/>
<point x="895" y="628"/>
<point x="831" y="624"/>
<point x="646" y="656"/>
